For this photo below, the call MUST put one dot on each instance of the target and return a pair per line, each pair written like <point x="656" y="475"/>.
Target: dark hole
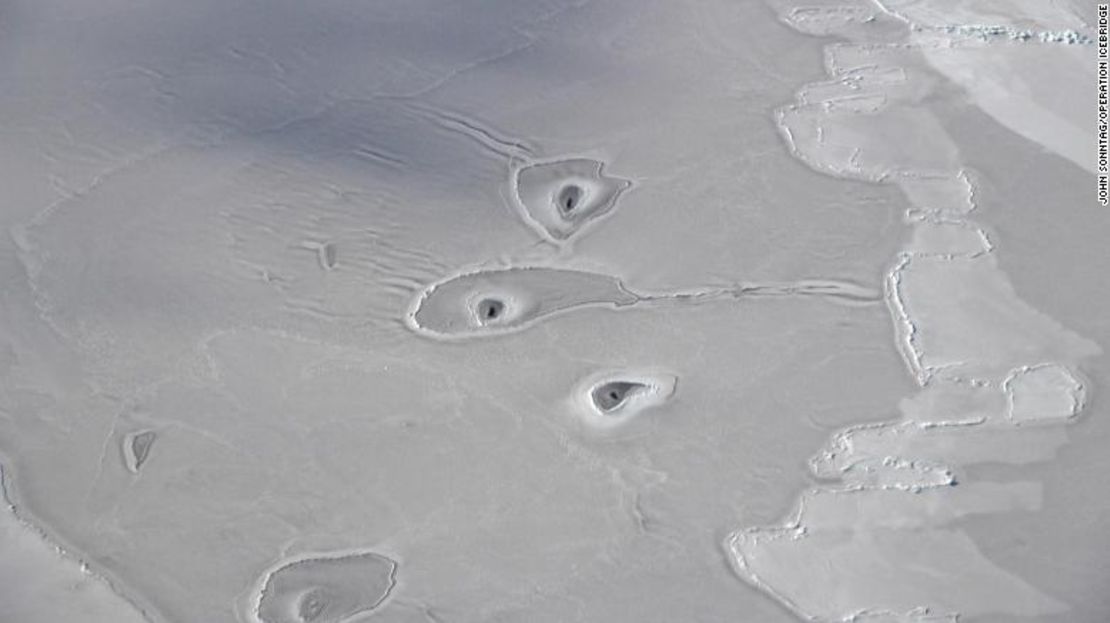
<point x="490" y="309"/>
<point x="612" y="395"/>
<point x="568" y="198"/>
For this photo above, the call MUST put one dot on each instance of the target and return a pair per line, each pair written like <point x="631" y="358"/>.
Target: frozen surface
<point x="551" y="311"/>
<point x="879" y="538"/>
<point x="136" y="448"/>
<point x="563" y="196"/>
<point x="608" y="401"/>
<point x="325" y="589"/>
<point x="500" y="300"/>
<point x="495" y="301"/>
<point x="43" y="582"/>
<point x="1044" y="392"/>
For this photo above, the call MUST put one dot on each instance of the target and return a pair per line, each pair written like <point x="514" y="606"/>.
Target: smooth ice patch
<point x="945" y="239"/>
<point x="325" y="589"/>
<point x="827" y="563"/>
<point x="965" y="318"/>
<point x="991" y="77"/>
<point x="1043" y="393"/>
<point x="500" y="300"/>
<point x="825" y="20"/>
<point x="946" y="195"/>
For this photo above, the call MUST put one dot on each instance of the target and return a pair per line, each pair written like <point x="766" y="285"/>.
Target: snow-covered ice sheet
<point x="548" y="310"/>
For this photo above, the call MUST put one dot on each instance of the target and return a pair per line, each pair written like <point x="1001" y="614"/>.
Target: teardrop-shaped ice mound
<point x="561" y="197"/>
<point x="609" y="400"/>
<point x="502" y="300"/>
<point x="136" y="449"/>
<point x="326" y="589"/>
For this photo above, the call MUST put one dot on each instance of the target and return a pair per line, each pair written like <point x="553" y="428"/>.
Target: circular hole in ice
<point x="610" y="396"/>
<point x="568" y="198"/>
<point x="490" y="310"/>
